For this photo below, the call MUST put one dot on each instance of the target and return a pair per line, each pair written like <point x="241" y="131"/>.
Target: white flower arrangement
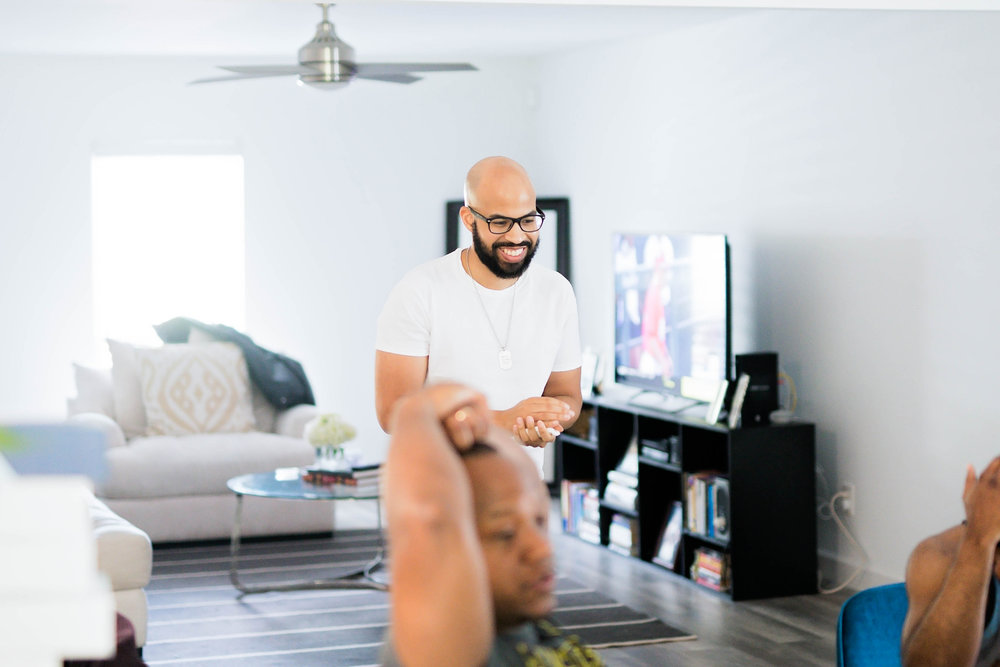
<point x="329" y="430"/>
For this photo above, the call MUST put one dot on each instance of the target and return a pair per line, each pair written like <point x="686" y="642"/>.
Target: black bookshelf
<point x="771" y="544"/>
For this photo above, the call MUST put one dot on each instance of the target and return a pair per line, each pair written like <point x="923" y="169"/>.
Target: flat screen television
<point x="672" y="313"/>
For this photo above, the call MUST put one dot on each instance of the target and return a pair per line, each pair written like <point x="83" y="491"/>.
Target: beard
<point x="491" y="258"/>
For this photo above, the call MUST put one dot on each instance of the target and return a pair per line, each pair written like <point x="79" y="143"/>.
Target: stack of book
<point x="710" y="569"/>
<point x="580" y="508"/>
<point x="363" y="478"/>
<point x="707" y="503"/>
<point x="623" y="535"/>
<point x="622" y="489"/>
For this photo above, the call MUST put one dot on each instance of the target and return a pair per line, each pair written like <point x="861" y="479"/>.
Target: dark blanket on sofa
<point x="280" y="378"/>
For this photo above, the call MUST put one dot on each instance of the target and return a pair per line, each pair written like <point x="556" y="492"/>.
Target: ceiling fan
<point x="327" y="62"/>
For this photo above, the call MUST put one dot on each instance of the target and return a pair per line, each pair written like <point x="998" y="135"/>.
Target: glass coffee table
<point x="287" y="484"/>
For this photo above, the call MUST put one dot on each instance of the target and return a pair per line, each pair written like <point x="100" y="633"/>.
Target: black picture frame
<point x="556" y="210"/>
<point x="670" y="538"/>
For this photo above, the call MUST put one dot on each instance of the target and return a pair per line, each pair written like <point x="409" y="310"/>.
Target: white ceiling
<point x="377" y="29"/>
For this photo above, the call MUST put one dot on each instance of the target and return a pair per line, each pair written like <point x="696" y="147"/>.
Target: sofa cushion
<point x="94" y="391"/>
<point x="129" y="410"/>
<point x="163" y="466"/>
<point x="263" y="411"/>
<point x="195" y="388"/>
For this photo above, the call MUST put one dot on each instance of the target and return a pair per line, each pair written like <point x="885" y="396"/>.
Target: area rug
<point x="197" y="617"/>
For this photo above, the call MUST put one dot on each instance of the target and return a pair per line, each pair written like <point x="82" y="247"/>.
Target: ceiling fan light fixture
<point x="331" y="57"/>
<point x="322" y="84"/>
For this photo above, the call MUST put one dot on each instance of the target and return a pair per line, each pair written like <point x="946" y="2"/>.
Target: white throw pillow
<point x="94" y="391"/>
<point x="263" y="412"/>
<point x="129" y="410"/>
<point x="195" y="388"/>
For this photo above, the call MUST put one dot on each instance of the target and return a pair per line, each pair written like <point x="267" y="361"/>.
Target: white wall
<point x="853" y="159"/>
<point x="345" y="191"/>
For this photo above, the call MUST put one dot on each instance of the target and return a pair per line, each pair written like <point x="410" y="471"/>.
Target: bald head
<point x="499" y="182"/>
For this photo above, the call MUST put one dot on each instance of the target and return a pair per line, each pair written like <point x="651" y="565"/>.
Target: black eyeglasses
<point x="499" y="224"/>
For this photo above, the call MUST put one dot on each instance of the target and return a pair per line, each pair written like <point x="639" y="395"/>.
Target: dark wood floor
<point x="798" y="630"/>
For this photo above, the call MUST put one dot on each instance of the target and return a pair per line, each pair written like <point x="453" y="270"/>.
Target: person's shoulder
<point x="429" y="272"/>
<point x="548" y="278"/>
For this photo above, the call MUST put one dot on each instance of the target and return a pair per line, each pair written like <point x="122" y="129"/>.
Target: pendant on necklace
<point x="505" y="360"/>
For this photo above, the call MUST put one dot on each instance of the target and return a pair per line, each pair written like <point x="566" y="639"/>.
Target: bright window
<point x="168" y="240"/>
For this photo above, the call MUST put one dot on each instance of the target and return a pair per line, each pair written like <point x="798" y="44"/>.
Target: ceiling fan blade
<point x="392" y="78"/>
<point x="400" y="68"/>
<point x="268" y="70"/>
<point x="234" y="77"/>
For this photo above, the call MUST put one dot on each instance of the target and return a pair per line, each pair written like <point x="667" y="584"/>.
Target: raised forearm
<point x="441" y="611"/>
<point x="951" y="629"/>
<point x="423" y="469"/>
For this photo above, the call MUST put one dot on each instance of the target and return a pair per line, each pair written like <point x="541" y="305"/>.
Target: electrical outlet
<point x="847" y="500"/>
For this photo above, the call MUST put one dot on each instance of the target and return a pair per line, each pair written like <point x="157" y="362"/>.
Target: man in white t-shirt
<point x="482" y="317"/>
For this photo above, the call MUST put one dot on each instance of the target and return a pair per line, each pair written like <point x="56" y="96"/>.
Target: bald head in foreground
<point x="473" y="576"/>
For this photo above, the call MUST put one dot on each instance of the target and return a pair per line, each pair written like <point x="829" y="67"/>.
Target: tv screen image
<point x="672" y="312"/>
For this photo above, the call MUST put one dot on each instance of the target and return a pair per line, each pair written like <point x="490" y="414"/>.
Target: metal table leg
<point x="341" y="581"/>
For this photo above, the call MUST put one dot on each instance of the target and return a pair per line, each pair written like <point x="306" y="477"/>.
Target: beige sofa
<point x="125" y="555"/>
<point x="173" y="485"/>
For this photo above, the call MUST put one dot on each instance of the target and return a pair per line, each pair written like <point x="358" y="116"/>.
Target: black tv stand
<point x="769" y="538"/>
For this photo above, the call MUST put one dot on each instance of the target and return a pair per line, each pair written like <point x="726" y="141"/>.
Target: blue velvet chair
<point x="870" y="627"/>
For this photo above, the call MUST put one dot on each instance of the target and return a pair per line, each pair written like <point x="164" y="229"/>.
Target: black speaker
<point x="762" y="393"/>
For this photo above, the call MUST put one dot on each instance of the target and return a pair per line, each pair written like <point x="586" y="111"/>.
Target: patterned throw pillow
<point x="263" y="412"/>
<point x="195" y="388"/>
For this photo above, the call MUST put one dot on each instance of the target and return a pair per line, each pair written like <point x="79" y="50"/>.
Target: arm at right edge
<point x="947" y="603"/>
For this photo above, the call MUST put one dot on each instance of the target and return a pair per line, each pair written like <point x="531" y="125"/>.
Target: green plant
<point x="8" y="440"/>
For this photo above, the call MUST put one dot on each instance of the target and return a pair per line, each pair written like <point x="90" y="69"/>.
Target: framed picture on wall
<point x="553" y="248"/>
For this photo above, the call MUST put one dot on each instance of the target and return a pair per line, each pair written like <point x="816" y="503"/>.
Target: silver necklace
<point x="503" y="356"/>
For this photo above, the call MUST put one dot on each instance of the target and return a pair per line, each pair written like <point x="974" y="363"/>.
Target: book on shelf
<point x="621" y="496"/>
<point x="623" y="478"/>
<point x="361" y="473"/>
<point x="579" y="504"/>
<point x="623" y="535"/>
<point x="589" y="532"/>
<point x="324" y="477"/>
<point x="710" y="568"/>
<point x="670" y="538"/>
<point x="654" y="454"/>
<point x="591" y="506"/>
<point x="706" y="498"/>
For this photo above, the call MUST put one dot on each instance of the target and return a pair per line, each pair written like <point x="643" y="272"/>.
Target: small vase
<point x="330" y="457"/>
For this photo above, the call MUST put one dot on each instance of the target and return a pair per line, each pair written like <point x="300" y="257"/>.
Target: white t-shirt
<point x="434" y="312"/>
